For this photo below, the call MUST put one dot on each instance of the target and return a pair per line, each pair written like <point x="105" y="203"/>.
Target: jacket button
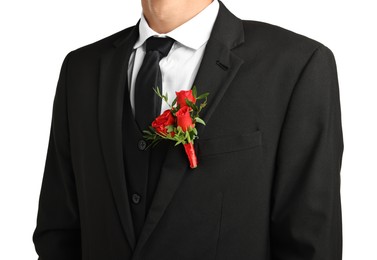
<point x="141" y="144"/>
<point x="136" y="198"/>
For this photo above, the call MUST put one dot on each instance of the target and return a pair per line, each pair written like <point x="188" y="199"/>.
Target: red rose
<point x="182" y="95"/>
<point x="162" y="121"/>
<point x="184" y="119"/>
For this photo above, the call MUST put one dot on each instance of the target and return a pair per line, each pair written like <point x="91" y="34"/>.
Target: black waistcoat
<point x="142" y="166"/>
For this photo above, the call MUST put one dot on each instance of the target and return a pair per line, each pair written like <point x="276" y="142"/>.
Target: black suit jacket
<point x="268" y="181"/>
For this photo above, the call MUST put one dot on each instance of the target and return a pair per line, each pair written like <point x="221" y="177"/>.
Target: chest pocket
<point x="229" y="143"/>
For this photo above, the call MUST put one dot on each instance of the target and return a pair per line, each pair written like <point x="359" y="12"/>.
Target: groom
<point x="267" y="185"/>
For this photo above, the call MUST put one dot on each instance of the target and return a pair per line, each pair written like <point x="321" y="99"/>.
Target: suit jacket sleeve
<point x="57" y="234"/>
<point x="306" y="220"/>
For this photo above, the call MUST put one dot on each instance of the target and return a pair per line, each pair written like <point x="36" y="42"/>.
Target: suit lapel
<point x="112" y="84"/>
<point x="217" y="69"/>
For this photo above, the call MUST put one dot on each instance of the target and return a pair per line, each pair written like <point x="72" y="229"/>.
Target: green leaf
<point x="174" y="102"/>
<point x="192" y="105"/>
<point x="194" y="91"/>
<point x="157" y="91"/>
<point x="203" y="104"/>
<point x="203" y="95"/>
<point x="199" y="120"/>
<point x="170" y="128"/>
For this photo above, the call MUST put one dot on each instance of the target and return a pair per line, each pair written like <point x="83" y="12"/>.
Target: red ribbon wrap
<point x="190" y="151"/>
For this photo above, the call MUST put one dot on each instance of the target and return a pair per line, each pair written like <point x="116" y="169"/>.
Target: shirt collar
<point x="193" y="33"/>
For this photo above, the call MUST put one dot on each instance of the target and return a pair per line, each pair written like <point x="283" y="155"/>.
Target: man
<point x="267" y="185"/>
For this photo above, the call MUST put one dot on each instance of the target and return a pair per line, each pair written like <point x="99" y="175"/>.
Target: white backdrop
<point x="36" y="36"/>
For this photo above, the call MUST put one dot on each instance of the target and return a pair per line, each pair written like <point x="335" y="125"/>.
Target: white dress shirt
<point x="180" y="66"/>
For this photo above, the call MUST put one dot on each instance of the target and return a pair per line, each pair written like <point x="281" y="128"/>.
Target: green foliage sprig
<point x="180" y="136"/>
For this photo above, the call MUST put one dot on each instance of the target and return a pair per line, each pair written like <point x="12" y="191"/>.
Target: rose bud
<point x="184" y="119"/>
<point x="162" y="121"/>
<point x="182" y="95"/>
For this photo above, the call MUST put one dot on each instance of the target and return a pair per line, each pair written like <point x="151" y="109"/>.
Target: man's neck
<point x="164" y="16"/>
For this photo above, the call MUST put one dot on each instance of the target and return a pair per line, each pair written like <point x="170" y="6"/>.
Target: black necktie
<point x="147" y="102"/>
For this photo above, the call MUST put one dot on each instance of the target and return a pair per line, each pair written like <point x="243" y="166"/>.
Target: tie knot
<point x="160" y="44"/>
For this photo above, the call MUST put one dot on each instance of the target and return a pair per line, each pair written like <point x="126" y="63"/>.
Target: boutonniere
<point x="178" y="122"/>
